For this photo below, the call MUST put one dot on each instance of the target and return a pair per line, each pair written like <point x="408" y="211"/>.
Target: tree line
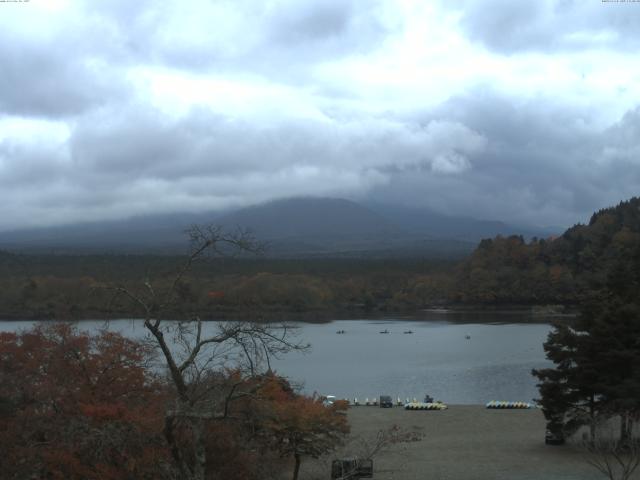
<point x="563" y="270"/>
<point x="68" y="287"/>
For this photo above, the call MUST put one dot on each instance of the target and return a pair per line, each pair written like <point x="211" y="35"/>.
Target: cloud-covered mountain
<point x="301" y="226"/>
<point x="522" y="111"/>
<point x="311" y="217"/>
<point x="425" y="222"/>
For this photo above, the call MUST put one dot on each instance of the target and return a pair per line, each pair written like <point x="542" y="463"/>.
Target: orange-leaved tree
<point x="298" y="425"/>
<point x="75" y="406"/>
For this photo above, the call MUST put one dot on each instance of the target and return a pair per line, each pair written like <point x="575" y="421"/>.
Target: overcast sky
<point x="523" y="111"/>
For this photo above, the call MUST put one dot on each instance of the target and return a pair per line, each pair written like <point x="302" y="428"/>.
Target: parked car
<point x="554" y="434"/>
<point x="351" y="469"/>
<point x="386" y="401"/>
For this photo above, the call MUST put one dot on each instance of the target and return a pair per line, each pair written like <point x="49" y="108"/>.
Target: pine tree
<point x="569" y="397"/>
<point x="597" y="372"/>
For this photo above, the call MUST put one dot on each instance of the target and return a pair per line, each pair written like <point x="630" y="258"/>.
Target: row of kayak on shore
<point x="500" y="404"/>
<point x="425" y="406"/>
<point x="428" y="404"/>
<point x="385" y="401"/>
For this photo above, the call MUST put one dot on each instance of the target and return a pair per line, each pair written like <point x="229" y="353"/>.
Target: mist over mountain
<point x="311" y="217"/>
<point x="153" y="234"/>
<point x="422" y="221"/>
<point x="302" y="226"/>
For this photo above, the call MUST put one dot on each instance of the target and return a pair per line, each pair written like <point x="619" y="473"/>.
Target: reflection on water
<point x="494" y="363"/>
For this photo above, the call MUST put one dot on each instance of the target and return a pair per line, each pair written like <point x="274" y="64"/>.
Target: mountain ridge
<point x="298" y="226"/>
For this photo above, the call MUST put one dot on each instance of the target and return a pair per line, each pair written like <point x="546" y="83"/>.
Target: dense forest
<point x="558" y="270"/>
<point x="501" y="271"/>
<point x="72" y="287"/>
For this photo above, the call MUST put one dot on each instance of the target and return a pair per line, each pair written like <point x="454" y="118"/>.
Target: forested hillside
<point x="555" y="270"/>
<point x="503" y="270"/>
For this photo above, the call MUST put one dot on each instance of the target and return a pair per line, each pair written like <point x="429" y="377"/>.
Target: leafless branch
<point x="615" y="459"/>
<point x="196" y="354"/>
<point x="368" y="448"/>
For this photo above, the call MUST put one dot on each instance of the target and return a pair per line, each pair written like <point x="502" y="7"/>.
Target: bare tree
<point x="362" y="450"/>
<point x="385" y="439"/>
<point x="196" y="353"/>
<point x="616" y="459"/>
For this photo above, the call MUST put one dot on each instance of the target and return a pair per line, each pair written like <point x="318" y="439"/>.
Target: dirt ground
<point x="462" y="443"/>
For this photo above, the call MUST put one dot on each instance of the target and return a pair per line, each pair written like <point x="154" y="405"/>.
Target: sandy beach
<point x="462" y="443"/>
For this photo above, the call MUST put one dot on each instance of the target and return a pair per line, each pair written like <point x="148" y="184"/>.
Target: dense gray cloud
<point x="275" y="38"/>
<point x="81" y="61"/>
<point x="509" y="26"/>
<point x="622" y="142"/>
<point x="542" y="164"/>
<point x="524" y="112"/>
<point x="135" y="158"/>
<point x="55" y="73"/>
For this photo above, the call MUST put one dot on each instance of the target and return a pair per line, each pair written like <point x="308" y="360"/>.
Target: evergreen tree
<point x="569" y="397"/>
<point x="597" y="359"/>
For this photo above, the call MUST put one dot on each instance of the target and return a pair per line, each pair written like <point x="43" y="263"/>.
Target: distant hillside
<point x="152" y="234"/>
<point x="340" y="257"/>
<point x="335" y="227"/>
<point x="312" y="217"/>
<point x="295" y="227"/>
<point x="511" y="270"/>
<point x="422" y="221"/>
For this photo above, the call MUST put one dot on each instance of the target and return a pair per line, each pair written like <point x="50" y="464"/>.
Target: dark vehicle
<point x="554" y="435"/>
<point x="385" y="401"/>
<point x="351" y="469"/>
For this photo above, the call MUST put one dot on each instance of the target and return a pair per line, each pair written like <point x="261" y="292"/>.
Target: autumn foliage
<point x="80" y="406"/>
<point x="74" y="406"/>
<point x="298" y="426"/>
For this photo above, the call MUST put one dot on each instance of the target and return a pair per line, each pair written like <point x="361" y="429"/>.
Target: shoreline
<point x="526" y="314"/>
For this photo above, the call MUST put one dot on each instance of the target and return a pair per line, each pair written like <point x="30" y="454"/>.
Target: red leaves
<point x="76" y="406"/>
<point x="103" y="412"/>
<point x="299" y="424"/>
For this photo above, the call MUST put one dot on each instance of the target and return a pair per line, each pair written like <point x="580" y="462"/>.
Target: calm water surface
<point x="437" y="358"/>
<point x="495" y="363"/>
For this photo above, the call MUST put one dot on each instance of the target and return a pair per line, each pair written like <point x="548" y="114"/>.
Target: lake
<point x="438" y="359"/>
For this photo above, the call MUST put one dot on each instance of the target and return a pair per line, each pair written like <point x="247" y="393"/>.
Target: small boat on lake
<point x="408" y="331"/>
<point x="385" y="331"/>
